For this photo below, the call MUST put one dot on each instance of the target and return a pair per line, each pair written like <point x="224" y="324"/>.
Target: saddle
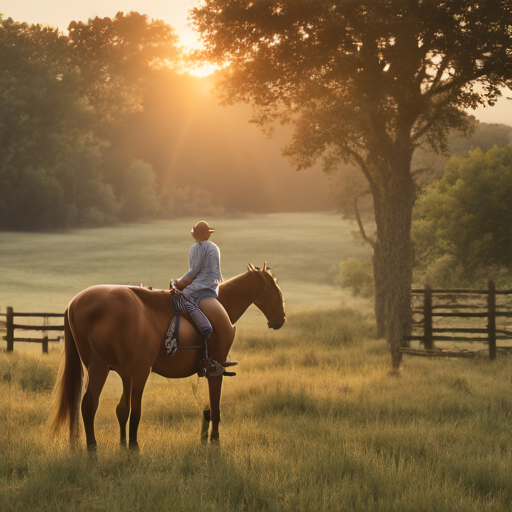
<point x="182" y="305"/>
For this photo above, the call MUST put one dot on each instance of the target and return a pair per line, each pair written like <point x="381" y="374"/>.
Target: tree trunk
<point x="380" y="290"/>
<point x="394" y="201"/>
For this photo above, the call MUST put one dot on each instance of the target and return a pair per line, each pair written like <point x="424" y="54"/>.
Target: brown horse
<point x="123" y="328"/>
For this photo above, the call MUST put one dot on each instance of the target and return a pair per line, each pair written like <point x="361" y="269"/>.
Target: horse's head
<point x="270" y="302"/>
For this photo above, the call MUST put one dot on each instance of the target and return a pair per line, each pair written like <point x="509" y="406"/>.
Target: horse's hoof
<point x="134" y="446"/>
<point x="92" y="448"/>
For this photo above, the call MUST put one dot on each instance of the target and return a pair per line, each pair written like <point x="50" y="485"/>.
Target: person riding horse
<point x="201" y="285"/>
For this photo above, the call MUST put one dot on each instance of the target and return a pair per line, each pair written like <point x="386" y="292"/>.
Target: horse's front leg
<point x="214" y="389"/>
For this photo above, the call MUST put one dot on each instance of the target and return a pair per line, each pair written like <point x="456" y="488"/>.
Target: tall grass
<point x="312" y="422"/>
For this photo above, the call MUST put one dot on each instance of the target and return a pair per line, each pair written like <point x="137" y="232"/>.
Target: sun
<point x="202" y="70"/>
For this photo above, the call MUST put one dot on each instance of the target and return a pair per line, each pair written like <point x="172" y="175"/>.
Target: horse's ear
<point x="264" y="267"/>
<point x="250" y="266"/>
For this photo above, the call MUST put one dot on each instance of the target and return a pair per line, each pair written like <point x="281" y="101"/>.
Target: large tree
<point x="365" y="82"/>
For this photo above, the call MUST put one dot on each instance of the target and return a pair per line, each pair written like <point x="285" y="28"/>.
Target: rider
<point x="201" y="284"/>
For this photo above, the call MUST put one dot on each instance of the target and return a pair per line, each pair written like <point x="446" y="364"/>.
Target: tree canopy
<point x="364" y="82"/>
<point x="62" y="98"/>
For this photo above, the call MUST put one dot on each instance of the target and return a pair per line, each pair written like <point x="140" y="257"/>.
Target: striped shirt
<point x="204" y="258"/>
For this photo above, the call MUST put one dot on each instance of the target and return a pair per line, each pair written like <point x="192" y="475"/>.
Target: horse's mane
<point x="141" y="285"/>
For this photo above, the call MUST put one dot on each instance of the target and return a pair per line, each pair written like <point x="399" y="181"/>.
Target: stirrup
<point x="210" y="368"/>
<point x="227" y="364"/>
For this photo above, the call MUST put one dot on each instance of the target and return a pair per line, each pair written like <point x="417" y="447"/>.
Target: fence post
<point x="9" y="326"/>
<point x="45" y="337"/>
<point x="427" y="318"/>
<point x="491" y="320"/>
<point x="45" y="344"/>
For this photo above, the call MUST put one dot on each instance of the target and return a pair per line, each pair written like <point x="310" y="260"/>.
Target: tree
<point x="49" y="156"/>
<point x="462" y="224"/>
<point x="62" y="98"/>
<point x="351" y="193"/>
<point x="115" y="57"/>
<point x="364" y="82"/>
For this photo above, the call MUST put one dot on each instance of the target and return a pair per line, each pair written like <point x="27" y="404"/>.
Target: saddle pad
<point x="171" y="340"/>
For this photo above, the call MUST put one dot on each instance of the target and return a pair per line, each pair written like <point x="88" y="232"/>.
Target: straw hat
<point x="201" y="231"/>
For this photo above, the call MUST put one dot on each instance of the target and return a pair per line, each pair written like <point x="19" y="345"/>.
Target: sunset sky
<point x="61" y="12"/>
<point x="173" y="12"/>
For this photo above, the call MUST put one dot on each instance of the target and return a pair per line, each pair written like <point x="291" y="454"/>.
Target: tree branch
<point x="366" y="238"/>
<point x="362" y="164"/>
<point x="422" y="131"/>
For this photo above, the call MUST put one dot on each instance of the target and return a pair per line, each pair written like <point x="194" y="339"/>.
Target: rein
<point x="263" y="291"/>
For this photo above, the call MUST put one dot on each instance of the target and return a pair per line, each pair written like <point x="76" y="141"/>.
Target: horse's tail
<point x="68" y="388"/>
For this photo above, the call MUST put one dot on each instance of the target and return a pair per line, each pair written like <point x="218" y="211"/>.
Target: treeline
<point x="62" y="99"/>
<point x="98" y="126"/>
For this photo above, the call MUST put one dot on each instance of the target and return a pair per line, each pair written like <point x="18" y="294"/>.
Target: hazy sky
<point x="173" y="12"/>
<point x="61" y="12"/>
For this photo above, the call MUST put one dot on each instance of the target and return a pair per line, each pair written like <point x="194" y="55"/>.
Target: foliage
<point x="188" y="201"/>
<point x="115" y="58"/>
<point x="347" y="183"/>
<point x="462" y="228"/>
<point x="138" y="192"/>
<point x="59" y="95"/>
<point x="356" y="275"/>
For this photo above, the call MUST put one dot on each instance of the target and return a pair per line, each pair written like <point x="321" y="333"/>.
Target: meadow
<point x="313" y="421"/>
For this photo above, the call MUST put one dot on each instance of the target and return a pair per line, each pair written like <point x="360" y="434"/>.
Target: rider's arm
<point x="196" y="258"/>
<point x="182" y="283"/>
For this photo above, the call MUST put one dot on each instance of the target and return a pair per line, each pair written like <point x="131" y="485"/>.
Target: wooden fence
<point x="443" y="311"/>
<point x="11" y="327"/>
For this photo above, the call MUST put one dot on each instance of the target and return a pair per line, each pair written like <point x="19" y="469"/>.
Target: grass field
<point x="312" y="422"/>
<point x="43" y="271"/>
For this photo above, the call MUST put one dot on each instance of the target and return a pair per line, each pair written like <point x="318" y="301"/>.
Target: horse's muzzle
<point x="275" y="326"/>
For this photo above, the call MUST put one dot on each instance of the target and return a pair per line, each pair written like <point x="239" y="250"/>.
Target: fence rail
<point x="449" y="311"/>
<point x="11" y="327"/>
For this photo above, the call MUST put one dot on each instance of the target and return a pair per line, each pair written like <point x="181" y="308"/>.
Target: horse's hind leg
<point x="123" y="409"/>
<point x="138" y="382"/>
<point x="98" y="372"/>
